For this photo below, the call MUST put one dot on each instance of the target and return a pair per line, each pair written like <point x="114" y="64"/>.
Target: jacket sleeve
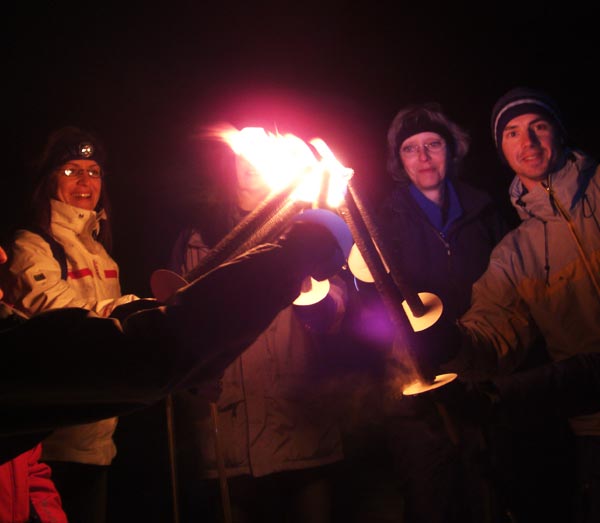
<point x="498" y="328"/>
<point x="570" y="387"/>
<point x="33" y="281"/>
<point x="42" y="491"/>
<point x="565" y="388"/>
<point x="48" y="381"/>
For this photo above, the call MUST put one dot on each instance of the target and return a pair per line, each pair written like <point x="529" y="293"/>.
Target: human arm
<point x="42" y="491"/>
<point x="492" y="338"/>
<point x="49" y="380"/>
<point x="497" y="330"/>
<point x="570" y="387"/>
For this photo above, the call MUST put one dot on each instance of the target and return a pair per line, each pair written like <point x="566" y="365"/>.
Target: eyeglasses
<point x="432" y="147"/>
<point x="72" y="172"/>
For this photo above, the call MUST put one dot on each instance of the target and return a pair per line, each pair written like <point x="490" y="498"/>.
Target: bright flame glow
<point x="280" y="159"/>
<point x="339" y="176"/>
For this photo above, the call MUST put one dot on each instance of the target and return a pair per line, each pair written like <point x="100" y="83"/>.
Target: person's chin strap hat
<point x="518" y="101"/>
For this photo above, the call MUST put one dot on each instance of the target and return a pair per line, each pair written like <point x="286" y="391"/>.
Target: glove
<point x="435" y="346"/>
<point x="477" y="402"/>
<point x="570" y="387"/>
<point x="314" y="248"/>
<point x="122" y="311"/>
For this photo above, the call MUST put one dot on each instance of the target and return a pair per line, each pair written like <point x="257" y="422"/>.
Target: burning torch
<point x="300" y="180"/>
<point x="304" y="175"/>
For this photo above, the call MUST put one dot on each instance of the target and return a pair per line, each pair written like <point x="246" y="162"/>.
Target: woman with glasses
<point x="441" y="230"/>
<point x="440" y="233"/>
<point x="60" y="258"/>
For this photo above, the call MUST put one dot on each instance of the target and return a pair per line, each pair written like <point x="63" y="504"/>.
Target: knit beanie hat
<point x="420" y="118"/>
<point x="518" y="101"/>
<point x="69" y="143"/>
<point x="419" y="121"/>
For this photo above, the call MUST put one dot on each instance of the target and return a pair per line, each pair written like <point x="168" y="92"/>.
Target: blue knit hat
<point x="518" y="101"/>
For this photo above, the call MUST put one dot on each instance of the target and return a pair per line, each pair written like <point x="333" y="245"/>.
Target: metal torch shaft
<point x="385" y="286"/>
<point x="241" y="233"/>
<point x="274" y="226"/>
<point x="412" y="298"/>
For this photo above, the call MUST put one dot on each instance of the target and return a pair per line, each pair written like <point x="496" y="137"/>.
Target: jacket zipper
<point x="571" y="227"/>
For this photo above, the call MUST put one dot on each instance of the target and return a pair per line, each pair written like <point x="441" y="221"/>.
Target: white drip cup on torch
<point x="432" y="304"/>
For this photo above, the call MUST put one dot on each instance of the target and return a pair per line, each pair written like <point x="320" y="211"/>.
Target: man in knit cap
<point x="543" y="280"/>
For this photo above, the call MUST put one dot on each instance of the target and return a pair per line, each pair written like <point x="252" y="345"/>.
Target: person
<point x="542" y="280"/>
<point x="141" y="353"/>
<point x="271" y="425"/>
<point x="26" y="488"/>
<point x="431" y="217"/>
<point x="438" y="232"/>
<point x="69" y="210"/>
<point x="569" y="387"/>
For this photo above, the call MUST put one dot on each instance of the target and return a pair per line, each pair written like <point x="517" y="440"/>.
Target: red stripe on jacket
<point x="82" y="273"/>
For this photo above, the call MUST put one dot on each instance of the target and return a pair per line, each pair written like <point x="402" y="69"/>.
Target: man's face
<point x="531" y="146"/>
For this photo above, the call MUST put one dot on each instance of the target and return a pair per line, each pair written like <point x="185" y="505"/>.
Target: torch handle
<point x="385" y="286"/>
<point x="273" y="227"/>
<point x="412" y="298"/>
<point x="239" y="236"/>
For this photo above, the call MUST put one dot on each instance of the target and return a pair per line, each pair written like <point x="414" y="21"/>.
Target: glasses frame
<point x="430" y="147"/>
<point x="78" y="172"/>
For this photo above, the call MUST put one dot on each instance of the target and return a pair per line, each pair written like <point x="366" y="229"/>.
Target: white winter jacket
<point x="273" y="407"/>
<point x="34" y="284"/>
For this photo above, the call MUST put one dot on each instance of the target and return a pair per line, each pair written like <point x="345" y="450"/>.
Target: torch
<point x="285" y="163"/>
<point x="273" y="156"/>
<point x="407" y="309"/>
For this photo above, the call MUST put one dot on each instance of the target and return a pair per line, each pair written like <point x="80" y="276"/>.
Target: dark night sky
<point x="144" y="78"/>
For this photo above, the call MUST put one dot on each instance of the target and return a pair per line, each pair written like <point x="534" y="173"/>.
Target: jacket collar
<point x="434" y="213"/>
<point x="567" y="184"/>
<point x="471" y="200"/>
<point x="76" y="219"/>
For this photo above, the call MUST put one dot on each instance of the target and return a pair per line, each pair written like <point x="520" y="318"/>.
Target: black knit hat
<point x="518" y="101"/>
<point x="69" y="143"/>
<point x="420" y="122"/>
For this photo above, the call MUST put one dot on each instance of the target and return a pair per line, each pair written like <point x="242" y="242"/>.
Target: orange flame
<point x="280" y="159"/>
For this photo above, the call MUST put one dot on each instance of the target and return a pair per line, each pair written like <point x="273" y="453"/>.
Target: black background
<point x="145" y="77"/>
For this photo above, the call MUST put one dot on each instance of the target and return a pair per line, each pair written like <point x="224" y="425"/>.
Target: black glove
<point x="122" y="311"/>
<point x="570" y="387"/>
<point x="431" y="348"/>
<point x="315" y="248"/>
<point x="477" y="402"/>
